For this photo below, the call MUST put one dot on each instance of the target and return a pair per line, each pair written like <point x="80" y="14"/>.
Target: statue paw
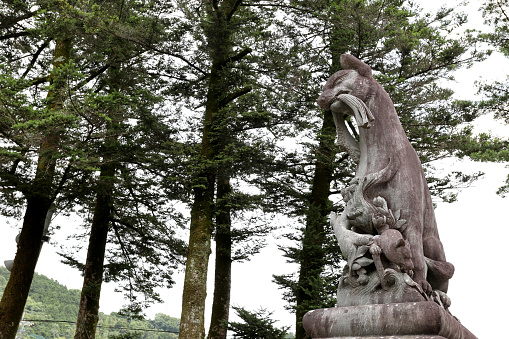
<point x="375" y="250"/>
<point x="442" y="299"/>
<point x="426" y="287"/>
<point x="363" y="240"/>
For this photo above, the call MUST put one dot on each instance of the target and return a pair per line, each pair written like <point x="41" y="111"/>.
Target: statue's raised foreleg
<point x="353" y="245"/>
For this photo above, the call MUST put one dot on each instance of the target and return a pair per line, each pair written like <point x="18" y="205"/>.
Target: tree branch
<point x="92" y="76"/>
<point x="235" y="95"/>
<point x="14" y="35"/>
<point x="9" y="22"/>
<point x="233" y="9"/>
<point x="240" y="55"/>
<point x="235" y="58"/>
<point x="37" y="81"/>
<point x="181" y="58"/>
<point x="63" y="179"/>
<point x="35" y="56"/>
<point x="278" y="5"/>
<point x="502" y="10"/>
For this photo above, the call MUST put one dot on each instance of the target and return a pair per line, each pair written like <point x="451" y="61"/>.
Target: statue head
<point x="355" y="79"/>
<point x="396" y="249"/>
<point x="347" y="91"/>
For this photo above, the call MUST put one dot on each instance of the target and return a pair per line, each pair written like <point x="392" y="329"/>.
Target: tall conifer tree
<point x="57" y="142"/>
<point x="41" y="149"/>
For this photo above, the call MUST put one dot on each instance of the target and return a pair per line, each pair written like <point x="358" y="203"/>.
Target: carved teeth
<point x="336" y="97"/>
<point x="361" y="112"/>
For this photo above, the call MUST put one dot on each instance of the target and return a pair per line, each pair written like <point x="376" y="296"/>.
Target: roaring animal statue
<point x="388" y="173"/>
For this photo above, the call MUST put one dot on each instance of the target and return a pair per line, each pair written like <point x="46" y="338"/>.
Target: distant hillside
<point x="52" y="309"/>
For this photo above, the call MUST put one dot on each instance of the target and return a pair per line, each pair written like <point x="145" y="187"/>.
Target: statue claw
<point x="426" y="287"/>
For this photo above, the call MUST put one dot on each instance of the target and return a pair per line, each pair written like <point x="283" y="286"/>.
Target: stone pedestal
<point x="410" y="320"/>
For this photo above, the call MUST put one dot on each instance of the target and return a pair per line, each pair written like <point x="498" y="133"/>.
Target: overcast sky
<point x="474" y="232"/>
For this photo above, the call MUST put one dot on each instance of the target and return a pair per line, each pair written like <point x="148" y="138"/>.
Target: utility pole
<point x="22" y="325"/>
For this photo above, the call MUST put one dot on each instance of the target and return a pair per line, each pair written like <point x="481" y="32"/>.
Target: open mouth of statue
<point x="336" y="99"/>
<point x="349" y="104"/>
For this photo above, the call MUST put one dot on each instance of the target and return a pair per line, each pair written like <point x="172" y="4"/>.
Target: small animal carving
<point x="391" y="249"/>
<point x="395" y="249"/>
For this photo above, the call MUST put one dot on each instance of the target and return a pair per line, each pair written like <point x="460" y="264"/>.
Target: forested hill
<point x="52" y="309"/>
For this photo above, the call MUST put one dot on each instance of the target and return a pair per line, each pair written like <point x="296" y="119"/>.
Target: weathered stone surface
<point x="397" y="337"/>
<point x="395" y="281"/>
<point x="398" y="287"/>
<point x="399" y="320"/>
<point x="389" y="190"/>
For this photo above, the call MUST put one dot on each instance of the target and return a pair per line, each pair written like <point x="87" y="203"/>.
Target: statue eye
<point x="339" y="79"/>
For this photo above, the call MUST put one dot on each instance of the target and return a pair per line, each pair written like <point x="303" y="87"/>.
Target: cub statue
<point x="388" y="223"/>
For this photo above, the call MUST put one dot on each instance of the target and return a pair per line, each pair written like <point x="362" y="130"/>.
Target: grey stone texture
<point x="395" y="281"/>
<point x="389" y="190"/>
<point x="424" y="319"/>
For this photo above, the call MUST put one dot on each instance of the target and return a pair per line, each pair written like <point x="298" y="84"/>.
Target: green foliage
<point x="56" y="308"/>
<point x="143" y="74"/>
<point x="128" y="335"/>
<point x="485" y="147"/>
<point x="256" y="325"/>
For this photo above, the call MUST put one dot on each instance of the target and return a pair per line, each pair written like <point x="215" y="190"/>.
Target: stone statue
<point x="387" y="231"/>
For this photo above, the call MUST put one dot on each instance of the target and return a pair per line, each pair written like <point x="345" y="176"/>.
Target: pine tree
<point x="70" y="132"/>
<point x="487" y="147"/>
<point x="257" y="324"/>
<point x="236" y="141"/>
<point x="39" y="190"/>
<point x="217" y="29"/>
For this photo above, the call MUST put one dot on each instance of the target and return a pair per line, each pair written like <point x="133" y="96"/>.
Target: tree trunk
<point x="18" y="286"/>
<point x="88" y="314"/>
<point x="222" y="277"/>
<point x="219" y="43"/>
<point x="39" y="197"/>
<point x="312" y="255"/>
<point x="195" y="280"/>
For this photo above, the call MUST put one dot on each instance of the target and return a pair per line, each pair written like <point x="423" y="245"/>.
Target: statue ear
<point x="348" y="61"/>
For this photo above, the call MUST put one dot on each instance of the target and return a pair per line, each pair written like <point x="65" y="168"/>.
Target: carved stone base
<point x="411" y="320"/>
<point x="399" y="337"/>
<point x="399" y="288"/>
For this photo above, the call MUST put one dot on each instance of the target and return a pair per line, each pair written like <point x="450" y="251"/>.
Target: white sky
<point x="473" y="230"/>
